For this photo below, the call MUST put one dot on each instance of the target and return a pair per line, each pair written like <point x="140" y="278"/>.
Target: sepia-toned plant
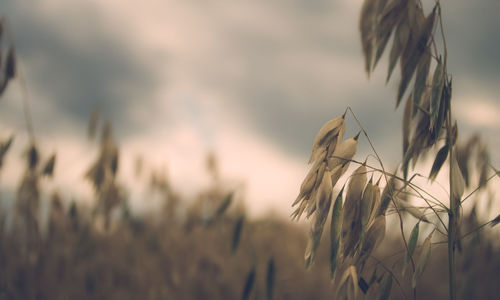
<point x="207" y="246"/>
<point x="358" y="219"/>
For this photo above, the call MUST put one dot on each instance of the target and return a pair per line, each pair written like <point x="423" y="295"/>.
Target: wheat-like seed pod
<point x="326" y="143"/>
<point x="323" y="197"/>
<point x="330" y="158"/>
<point x="351" y="227"/>
<point x="311" y="200"/>
<point x="322" y="202"/>
<point x="375" y="203"/>
<point x="308" y="183"/>
<point x="366" y="207"/>
<point x="374" y="237"/>
<point x="329" y="135"/>
<point x="343" y="153"/>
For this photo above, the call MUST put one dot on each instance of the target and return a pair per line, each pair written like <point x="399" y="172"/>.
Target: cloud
<point x="472" y="37"/>
<point x="250" y="79"/>
<point x="75" y="64"/>
<point x="479" y="112"/>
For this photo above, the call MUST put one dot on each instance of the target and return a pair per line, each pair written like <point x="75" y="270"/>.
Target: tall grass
<point x="104" y="250"/>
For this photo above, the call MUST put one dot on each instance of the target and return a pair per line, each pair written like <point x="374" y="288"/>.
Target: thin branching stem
<point x="468" y="233"/>
<point x="479" y="187"/>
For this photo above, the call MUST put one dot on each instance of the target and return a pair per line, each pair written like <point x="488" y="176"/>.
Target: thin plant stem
<point x="479" y="187"/>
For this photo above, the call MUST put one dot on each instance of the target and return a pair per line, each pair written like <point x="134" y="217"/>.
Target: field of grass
<point x="207" y="247"/>
<point x="214" y="253"/>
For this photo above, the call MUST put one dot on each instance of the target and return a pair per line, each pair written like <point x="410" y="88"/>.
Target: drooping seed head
<point x="328" y="134"/>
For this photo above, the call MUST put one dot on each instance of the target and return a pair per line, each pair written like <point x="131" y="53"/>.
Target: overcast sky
<point x="252" y="81"/>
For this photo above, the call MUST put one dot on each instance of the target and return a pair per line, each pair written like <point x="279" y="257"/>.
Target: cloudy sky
<point x="252" y="81"/>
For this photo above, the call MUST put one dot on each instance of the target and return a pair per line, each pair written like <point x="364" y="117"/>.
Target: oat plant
<point x="359" y="210"/>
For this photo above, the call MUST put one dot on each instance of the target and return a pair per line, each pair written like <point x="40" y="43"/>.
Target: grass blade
<point x="270" y="278"/>
<point x="237" y="234"/>
<point x="247" y="289"/>
<point x="438" y="162"/>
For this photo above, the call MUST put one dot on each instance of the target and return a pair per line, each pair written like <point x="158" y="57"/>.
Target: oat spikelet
<point x="366" y="206"/>
<point x="328" y="135"/>
<point x="353" y="198"/>
<point x="323" y="202"/>
<point x="312" y="199"/>
<point x="308" y="183"/>
<point x="325" y="144"/>
<point x="351" y="227"/>
<point x="374" y="237"/>
<point x="343" y="153"/>
<point x="324" y="195"/>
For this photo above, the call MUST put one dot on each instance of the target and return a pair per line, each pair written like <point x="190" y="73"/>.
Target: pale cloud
<point x="251" y="80"/>
<point x="479" y="111"/>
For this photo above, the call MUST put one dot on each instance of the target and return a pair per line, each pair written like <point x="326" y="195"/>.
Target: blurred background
<point x="250" y="82"/>
<point x="210" y="98"/>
